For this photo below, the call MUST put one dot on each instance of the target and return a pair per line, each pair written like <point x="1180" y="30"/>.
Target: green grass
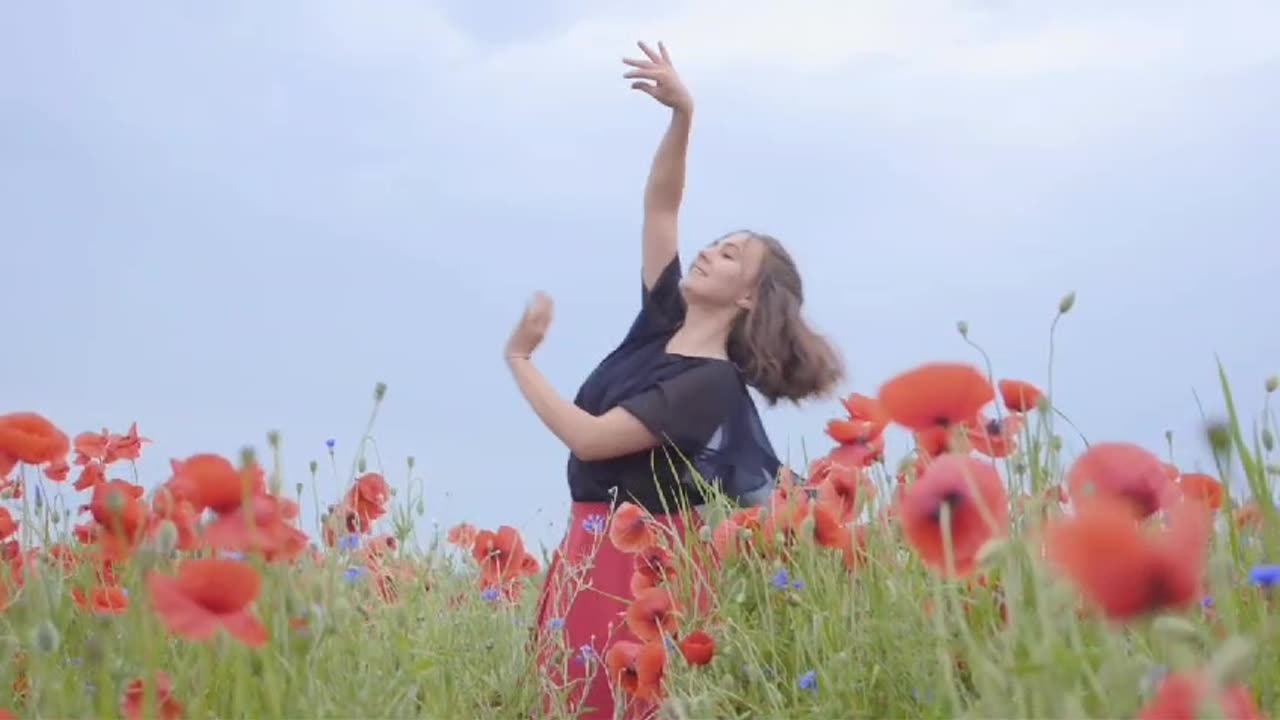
<point x="864" y="638"/>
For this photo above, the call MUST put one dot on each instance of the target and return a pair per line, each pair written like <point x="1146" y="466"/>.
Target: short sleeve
<point x="688" y="409"/>
<point x="662" y="307"/>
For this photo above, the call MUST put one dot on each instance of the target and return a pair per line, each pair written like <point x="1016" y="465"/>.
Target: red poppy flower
<point x="133" y="702"/>
<point x="1120" y="470"/>
<point x="1183" y="696"/>
<point x="1125" y="571"/>
<point x="209" y="594"/>
<point x="1019" y="396"/>
<point x="936" y="395"/>
<point x="212" y="482"/>
<point x="698" y="647"/>
<point x="620" y="660"/>
<point x="866" y="409"/>
<point x="979" y="510"/>
<point x="30" y="438"/>
<point x="629" y="528"/>
<point x="1203" y="489"/>
<point x="103" y="600"/>
<point x="652" y="614"/>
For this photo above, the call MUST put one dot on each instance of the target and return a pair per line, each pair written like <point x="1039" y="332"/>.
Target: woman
<point x="673" y="393"/>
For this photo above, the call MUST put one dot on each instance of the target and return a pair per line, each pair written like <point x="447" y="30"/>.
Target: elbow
<point x="588" y="451"/>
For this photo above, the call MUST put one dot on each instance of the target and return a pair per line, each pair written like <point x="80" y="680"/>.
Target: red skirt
<point x="581" y="614"/>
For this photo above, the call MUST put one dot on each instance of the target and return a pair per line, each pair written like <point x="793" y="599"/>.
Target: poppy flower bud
<point x="166" y="538"/>
<point x="46" y="638"/>
<point x="1067" y="302"/>
<point x="315" y="467"/>
<point x="379" y="391"/>
<point x="1268" y="440"/>
<point x="1218" y="434"/>
<point x="297" y="489"/>
<point x="807" y="526"/>
<point x="273" y="439"/>
<point x="1230" y="664"/>
<point x="1273" y="383"/>
<point x="991" y="552"/>
<point x="962" y="327"/>
<point x="422" y="508"/>
<point x="1176" y="629"/>
<point x="94" y="651"/>
<point x="412" y="461"/>
<point x="115" y="503"/>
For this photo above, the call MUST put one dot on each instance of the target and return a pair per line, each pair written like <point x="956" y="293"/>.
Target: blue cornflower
<point x="1207" y="602"/>
<point x="354" y="574"/>
<point x="925" y="698"/>
<point x="783" y="580"/>
<point x="1264" y="575"/>
<point x="594" y="524"/>
<point x="350" y="542"/>
<point x="555" y="623"/>
<point x="232" y="555"/>
<point x="330" y="443"/>
<point x="491" y="594"/>
<point x="809" y="681"/>
<point x="585" y="654"/>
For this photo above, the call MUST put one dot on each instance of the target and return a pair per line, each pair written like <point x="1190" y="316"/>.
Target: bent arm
<point x="589" y="437"/>
<point x="663" y="194"/>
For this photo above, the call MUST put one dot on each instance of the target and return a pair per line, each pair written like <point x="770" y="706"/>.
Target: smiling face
<point x="725" y="273"/>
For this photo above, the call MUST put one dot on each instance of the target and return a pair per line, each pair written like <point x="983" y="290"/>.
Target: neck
<point x="705" y="332"/>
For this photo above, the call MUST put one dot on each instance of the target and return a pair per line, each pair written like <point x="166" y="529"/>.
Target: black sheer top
<point x="698" y="407"/>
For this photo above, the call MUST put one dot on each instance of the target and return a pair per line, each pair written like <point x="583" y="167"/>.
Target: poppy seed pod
<point x="1230" y="664"/>
<point x="46" y="638"/>
<point x="1067" y="302"/>
<point x="166" y="538"/>
<point x="379" y="391"/>
<point x="1176" y="629"/>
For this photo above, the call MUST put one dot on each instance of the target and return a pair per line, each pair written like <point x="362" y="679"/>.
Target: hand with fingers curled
<point x="657" y="77"/>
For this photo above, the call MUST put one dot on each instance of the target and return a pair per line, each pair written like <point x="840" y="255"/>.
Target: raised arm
<point x="664" y="191"/>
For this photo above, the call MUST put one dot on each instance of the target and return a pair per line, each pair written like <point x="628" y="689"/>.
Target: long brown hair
<point x="778" y="353"/>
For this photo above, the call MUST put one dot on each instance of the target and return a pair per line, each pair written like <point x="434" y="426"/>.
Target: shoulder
<point x="714" y="380"/>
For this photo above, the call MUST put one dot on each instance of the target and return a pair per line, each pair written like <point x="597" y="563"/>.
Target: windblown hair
<point x="778" y="353"/>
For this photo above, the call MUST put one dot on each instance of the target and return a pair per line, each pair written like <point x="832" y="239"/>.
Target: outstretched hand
<point x="657" y="77"/>
<point x="532" y="328"/>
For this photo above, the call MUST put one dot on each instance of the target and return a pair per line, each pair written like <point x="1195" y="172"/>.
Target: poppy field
<point x="988" y="573"/>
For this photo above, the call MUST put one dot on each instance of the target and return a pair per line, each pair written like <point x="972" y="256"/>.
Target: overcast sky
<point x="219" y="219"/>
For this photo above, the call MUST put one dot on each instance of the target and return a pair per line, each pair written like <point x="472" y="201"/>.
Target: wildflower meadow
<point x="987" y="574"/>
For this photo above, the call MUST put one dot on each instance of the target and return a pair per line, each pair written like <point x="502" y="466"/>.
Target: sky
<point x="222" y="219"/>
